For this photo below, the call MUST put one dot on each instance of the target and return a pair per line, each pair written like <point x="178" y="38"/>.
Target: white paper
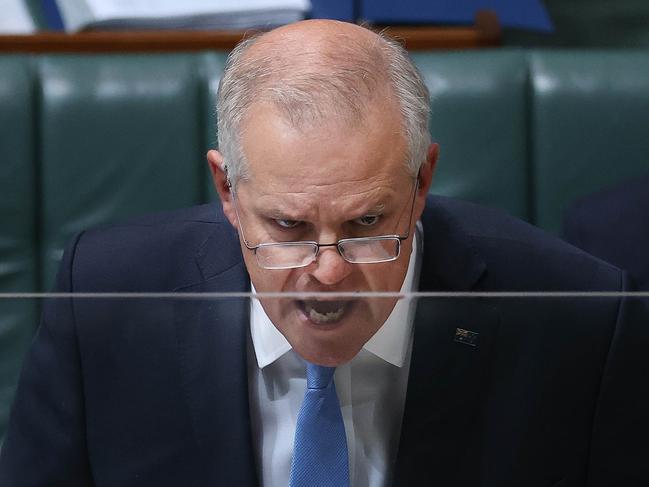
<point x="77" y="14"/>
<point x="104" y="9"/>
<point x="15" y="18"/>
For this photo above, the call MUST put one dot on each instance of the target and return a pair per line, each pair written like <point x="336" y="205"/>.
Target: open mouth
<point x="324" y="312"/>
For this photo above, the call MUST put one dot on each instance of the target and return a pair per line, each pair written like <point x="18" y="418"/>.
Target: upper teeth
<point x="325" y="317"/>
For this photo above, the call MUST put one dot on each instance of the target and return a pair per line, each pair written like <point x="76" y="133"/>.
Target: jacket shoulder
<point x="153" y="253"/>
<point x="517" y="255"/>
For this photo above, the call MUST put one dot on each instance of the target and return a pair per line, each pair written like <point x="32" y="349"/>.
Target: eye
<point x="287" y="223"/>
<point x="368" y="220"/>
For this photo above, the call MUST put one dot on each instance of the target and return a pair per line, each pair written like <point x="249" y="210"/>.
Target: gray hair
<point x="342" y="79"/>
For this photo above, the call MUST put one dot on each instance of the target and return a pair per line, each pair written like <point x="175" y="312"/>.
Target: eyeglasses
<point x="293" y="255"/>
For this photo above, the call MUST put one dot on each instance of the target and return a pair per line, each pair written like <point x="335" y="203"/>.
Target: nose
<point x="329" y="268"/>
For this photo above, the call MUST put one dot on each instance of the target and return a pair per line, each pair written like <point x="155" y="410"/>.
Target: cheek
<point x="269" y="281"/>
<point x="266" y="281"/>
<point x="386" y="277"/>
<point x="302" y="282"/>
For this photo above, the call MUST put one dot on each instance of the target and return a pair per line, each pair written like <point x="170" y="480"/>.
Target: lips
<point x="324" y="312"/>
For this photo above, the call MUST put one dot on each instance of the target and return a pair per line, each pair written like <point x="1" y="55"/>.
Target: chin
<point x="327" y="332"/>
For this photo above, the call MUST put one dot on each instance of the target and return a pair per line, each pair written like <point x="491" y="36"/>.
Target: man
<point x="323" y="169"/>
<point x="613" y="224"/>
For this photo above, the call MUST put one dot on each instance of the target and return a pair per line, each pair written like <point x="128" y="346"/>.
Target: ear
<point x="425" y="179"/>
<point x="427" y="169"/>
<point x="220" y="179"/>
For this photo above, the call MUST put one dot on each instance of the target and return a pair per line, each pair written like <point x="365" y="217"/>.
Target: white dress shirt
<point x="371" y="390"/>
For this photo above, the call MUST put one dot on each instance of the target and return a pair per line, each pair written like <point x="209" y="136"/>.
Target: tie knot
<point x="318" y="376"/>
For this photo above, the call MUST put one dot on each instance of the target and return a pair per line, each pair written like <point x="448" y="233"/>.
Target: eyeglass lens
<point x="286" y="256"/>
<point x="356" y="251"/>
<point x="363" y="251"/>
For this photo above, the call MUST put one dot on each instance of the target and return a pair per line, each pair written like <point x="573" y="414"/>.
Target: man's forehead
<point x="332" y="152"/>
<point x="316" y="202"/>
<point x="342" y="179"/>
<point x="370" y="189"/>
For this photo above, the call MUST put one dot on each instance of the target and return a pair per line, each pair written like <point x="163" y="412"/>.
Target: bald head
<point x="320" y="45"/>
<point x="319" y="73"/>
<point x="317" y="33"/>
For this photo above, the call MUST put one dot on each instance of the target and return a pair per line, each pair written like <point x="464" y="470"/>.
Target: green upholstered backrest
<point x="18" y="219"/>
<point x="590" y="125"/>
<point x="213" y="65"/>
<point x="479" y="115"/>
<point x="121" y="136"/>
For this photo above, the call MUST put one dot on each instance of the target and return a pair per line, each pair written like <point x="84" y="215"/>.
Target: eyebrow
<point x="378" y="208"/>
<point x="282" y="214"/>
<point x="282" y="209"/>
<point x="277" y="214"/>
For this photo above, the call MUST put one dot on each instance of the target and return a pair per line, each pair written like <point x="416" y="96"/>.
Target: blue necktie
<point x="320" y="451"/>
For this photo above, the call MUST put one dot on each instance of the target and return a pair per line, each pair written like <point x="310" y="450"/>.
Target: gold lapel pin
<point x="467" y="337"/>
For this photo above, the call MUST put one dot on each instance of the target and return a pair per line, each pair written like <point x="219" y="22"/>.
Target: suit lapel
<point x="211" y="336"/>
<point x="450" y="361"/>
<point x="448" y="373"/>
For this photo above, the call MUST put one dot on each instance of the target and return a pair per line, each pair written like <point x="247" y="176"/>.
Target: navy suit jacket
<point x="154" y="393"/>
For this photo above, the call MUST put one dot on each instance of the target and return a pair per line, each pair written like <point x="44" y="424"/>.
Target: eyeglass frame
<point x="316" y="245"/>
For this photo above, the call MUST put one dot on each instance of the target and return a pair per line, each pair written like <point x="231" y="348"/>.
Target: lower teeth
<point x="326" y="317"/>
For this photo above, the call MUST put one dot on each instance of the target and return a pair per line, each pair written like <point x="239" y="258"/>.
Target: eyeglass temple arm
<point x="412" y="207"/>
<point x="236" y="210"/>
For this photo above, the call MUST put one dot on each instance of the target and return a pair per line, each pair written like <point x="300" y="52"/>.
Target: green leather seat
<point x="479" y="113"/>
<point x="590" y="125"/>
<point x="121" y="136"/>
<point x="18" y="197"/>
<point x="212" y="68"/>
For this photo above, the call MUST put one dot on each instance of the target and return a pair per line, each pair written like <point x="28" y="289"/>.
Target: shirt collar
<point x="389" y="343"/>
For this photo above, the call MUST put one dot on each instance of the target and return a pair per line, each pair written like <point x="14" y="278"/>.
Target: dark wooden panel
<point x="485" y="33"/>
